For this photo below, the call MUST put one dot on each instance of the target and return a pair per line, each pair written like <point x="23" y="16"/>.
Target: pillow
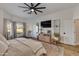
<point x="3" y="48"/>
<point x="3" y="39"/>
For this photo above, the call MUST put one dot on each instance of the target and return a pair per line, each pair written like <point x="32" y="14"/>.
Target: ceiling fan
<point x="32" y="8"/>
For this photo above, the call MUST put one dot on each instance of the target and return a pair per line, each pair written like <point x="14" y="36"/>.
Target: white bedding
<point x="20" y="47"/>
<point x="36" y="46"/>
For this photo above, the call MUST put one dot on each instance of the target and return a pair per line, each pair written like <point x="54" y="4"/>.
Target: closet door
<point x="77" y="31"/>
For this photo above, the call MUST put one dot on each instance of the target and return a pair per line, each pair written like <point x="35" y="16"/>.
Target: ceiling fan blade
<point x="30" y="12"/>
<point x="22" y="7"/>
<point x="35" y="12"/>
<point x="37" y="4"/>
<point x="39" y="11"/>
<point x="40" y="7"/>
<point x="32" y="4"/>
<point x="25" y="10"/>
<point x="26" y="4"/>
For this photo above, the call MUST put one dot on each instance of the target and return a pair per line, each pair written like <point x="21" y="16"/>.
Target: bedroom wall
<point x="67" y="26"/>
<point x="1" y="21"/>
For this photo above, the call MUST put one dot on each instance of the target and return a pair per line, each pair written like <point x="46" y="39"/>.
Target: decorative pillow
<point x="3" y="39"/>
<point x="3" y="48"/>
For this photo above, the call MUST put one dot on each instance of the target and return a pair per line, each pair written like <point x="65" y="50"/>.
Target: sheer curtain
<point x="8" y="29"/>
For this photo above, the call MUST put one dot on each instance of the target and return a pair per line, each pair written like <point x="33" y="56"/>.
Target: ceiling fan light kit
<point x="32" y="8"/>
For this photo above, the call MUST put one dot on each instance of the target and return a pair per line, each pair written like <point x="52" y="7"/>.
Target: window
<point x="14" y="29"/>
<point x="19" y="29"/>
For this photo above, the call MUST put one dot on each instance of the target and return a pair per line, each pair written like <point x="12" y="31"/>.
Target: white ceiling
<point x="13" y="8"/>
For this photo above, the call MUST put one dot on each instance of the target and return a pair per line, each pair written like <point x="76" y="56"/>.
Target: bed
<point x="21" y="47"/>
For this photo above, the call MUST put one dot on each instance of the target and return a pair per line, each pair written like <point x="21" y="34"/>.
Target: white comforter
<point x="36" y="46"/>
<point x="20" y="47"/>
<point x="25" y="47"/>
<point x="17" y="49"/>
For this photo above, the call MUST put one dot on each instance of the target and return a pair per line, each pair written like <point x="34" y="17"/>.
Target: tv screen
<point x="46" y="24"/>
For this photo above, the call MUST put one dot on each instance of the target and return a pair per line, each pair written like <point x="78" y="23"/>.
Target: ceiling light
<point x="32" y="10"/>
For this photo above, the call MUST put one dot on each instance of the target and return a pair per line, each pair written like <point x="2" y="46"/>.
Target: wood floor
<point x="61" y="50"/>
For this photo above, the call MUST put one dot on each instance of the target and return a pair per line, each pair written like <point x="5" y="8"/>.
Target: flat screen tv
<point x="46" y="24"/>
